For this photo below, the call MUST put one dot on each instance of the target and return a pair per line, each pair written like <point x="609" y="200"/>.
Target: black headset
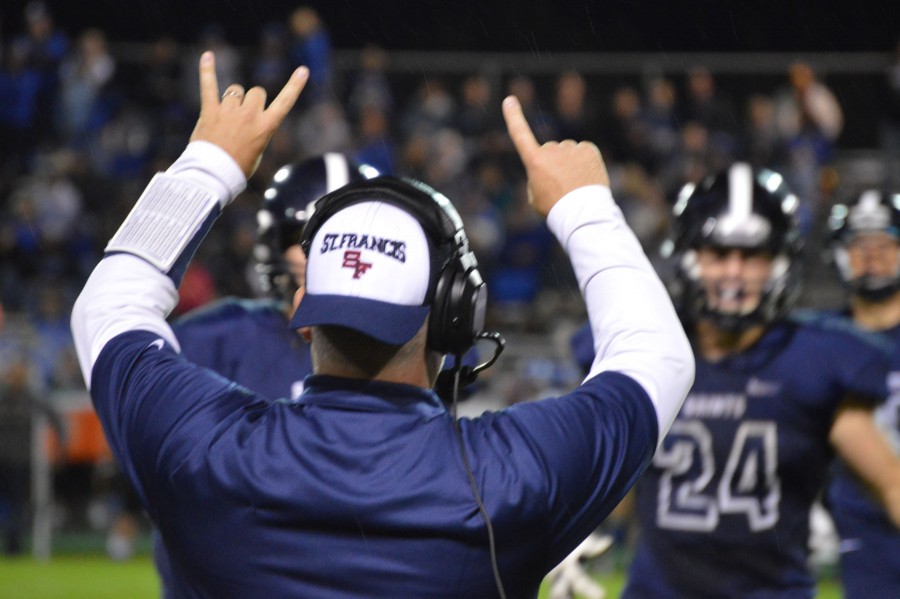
<point x="457" y="293"/>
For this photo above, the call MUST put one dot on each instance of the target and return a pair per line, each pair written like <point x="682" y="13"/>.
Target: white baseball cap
<point x="368" y="269"/>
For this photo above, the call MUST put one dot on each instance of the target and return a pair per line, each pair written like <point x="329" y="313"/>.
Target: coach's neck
<point x="343" y="352"/>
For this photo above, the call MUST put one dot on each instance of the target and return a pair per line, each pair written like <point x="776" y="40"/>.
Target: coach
<point x="366" y="486"/>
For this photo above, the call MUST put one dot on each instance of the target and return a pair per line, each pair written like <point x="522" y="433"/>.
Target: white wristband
<point x="164" y="221"/>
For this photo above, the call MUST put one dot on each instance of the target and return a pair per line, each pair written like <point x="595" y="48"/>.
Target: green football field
<point x="96" y="577"/>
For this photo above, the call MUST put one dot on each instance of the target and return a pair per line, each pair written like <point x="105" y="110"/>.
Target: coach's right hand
<point x="240" y="123"/>
<point x="553" y="169"/>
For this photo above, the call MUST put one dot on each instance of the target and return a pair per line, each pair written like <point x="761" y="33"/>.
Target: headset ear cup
<point x="460" y="336"/>
<point x="440" y="306"/>
<point x="458" y="310"/>
<point x="476" y="300"/>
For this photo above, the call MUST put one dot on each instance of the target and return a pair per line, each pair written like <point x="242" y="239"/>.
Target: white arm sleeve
<point x="635" y="328"/>
<point x="128" y="291"/>
<point x="124" y="293"/>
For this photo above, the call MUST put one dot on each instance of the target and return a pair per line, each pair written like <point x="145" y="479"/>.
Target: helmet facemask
<point x="274" y="238"/>
<point x="872" y="287"/>
<point x="736" y="303"/>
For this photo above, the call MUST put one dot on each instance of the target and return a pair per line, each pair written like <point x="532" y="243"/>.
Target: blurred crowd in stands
<point x="82" y="131"/>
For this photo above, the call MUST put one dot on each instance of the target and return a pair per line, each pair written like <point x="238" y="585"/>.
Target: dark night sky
<point x="510" y="25"/>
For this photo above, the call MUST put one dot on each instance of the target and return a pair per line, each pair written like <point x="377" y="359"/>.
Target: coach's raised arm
<point x="635" y="328"/>
<point x="135" y="285"/>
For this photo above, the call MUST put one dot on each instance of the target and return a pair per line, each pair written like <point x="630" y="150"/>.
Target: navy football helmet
<point x="288" y="202"/>
<point x="873" y="211"/>
<point x="737" y="208"/>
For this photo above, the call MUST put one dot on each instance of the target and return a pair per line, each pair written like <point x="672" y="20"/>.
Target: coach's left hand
<point x="239" y="122"/>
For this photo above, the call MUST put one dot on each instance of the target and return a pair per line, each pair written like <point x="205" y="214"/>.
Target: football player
<point x="724" y="507"/>
<point x="866" y="250"/>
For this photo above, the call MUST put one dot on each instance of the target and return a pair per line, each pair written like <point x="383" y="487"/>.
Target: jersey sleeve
<point x="157" y="408"/>
<point x="570" y="460"/>
<point x="862" y="368"/>
<point x="858" y="360"/>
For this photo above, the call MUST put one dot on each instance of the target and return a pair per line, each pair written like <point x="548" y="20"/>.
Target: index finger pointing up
<point x="209" y="85"/>
<point x="518" y="128"/>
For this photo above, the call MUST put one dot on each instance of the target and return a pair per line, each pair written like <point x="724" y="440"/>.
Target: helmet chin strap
<point x="874" y="289"/>
<point x="871" y="288"/>
<point x="734" y="322"/>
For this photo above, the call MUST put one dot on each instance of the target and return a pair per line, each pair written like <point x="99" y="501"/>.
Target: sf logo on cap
<point x="352" y="260"/>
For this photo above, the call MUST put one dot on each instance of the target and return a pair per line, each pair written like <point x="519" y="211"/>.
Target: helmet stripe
<point x="740" y="191"/>
<point x="870" y="199"/>
<point x="337" y="173"/>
